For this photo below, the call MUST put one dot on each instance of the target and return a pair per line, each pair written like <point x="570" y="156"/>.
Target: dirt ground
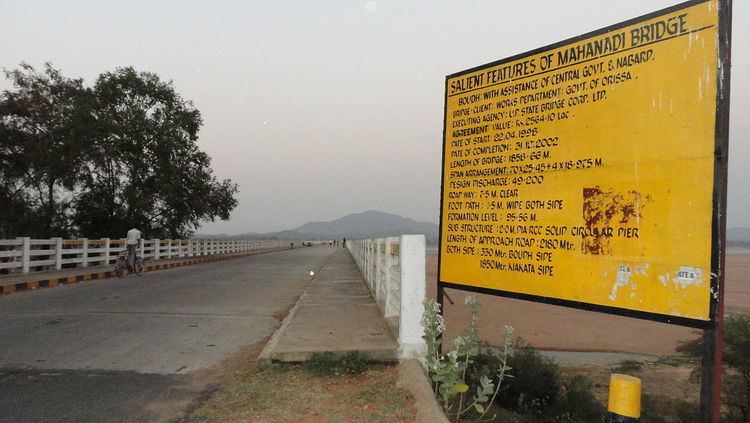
<point x="656" y="379"/>
<point x="288" y="393"/>
<point x="550" y="327"/>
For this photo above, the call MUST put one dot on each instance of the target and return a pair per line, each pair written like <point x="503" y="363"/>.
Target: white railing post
<point x="369" y="262"/>
<point x="58" y="253"/>
<point x="84" y="252"/>
<point x="157" y="249"/>
<point x="190" y="248"/>
<point x="26" y="254"/>
<point x="105" y="262"/>
<point x="169" y="249"/>
<point x="378" y="269"/>
<point x="142" y="248"/>
<point x="388" y="262"/>
<point x="410" y="330"/>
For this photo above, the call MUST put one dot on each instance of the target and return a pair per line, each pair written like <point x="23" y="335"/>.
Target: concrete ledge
<point x="411" y="377"/>
<point x="51" y="279"/>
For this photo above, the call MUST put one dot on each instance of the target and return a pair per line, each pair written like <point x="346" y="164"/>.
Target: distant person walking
<point x="134" y="235"/>
<point x="343" y="243"/>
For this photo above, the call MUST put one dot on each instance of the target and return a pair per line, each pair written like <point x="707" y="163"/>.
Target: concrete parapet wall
<point x="394" y="269"/>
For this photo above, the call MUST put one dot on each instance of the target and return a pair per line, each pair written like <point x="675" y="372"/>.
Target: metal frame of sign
<point x="718" y="223"/>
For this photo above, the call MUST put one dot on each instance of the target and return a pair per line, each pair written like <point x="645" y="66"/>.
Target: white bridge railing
<point x="394" y="269"/>
<point x="26" y="255"/>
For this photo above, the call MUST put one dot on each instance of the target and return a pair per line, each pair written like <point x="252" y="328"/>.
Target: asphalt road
<point x="129" y="349"/>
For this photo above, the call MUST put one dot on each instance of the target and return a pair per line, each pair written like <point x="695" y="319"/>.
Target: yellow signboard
<point x="583" y="173"/>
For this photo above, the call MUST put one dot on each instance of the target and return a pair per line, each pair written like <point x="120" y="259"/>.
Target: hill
<point x="369" y="224"/>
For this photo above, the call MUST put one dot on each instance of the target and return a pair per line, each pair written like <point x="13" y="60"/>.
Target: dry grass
<point x="285" y="393"/>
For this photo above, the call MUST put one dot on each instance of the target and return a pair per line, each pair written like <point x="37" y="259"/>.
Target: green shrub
<point x="576" y="403"/>
<point x="659" y="409"/>
<point x="448" y="372"/>
<point x="736" y="377"/>
<point x="537" y="391"/>
<point x="736" y="397"/>
<point x="330" y="364"/>
<point x="628" y="366"/>
<point x="737" y="357"/>
<point x="512" y="384"/>
<point x="535" y="383"/>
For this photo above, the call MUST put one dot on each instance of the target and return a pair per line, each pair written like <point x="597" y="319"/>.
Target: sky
<point x="318" y="109"/>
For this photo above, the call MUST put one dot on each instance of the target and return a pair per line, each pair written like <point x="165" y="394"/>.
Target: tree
<point x="44" y="134"/>
<point x="146" y="168"/>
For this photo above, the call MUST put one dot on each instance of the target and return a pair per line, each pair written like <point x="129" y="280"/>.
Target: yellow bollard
<point x="624" y="399"/>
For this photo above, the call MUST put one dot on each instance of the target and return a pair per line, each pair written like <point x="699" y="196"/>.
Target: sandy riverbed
<point x="560" y="328"/>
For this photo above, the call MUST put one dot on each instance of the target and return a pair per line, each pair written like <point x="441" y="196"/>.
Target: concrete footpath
<point x="48" y="279"/>
<point x="336" y="313"/>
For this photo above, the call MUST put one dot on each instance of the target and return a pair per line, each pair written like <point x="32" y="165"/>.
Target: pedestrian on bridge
<point x="134" y="235"/>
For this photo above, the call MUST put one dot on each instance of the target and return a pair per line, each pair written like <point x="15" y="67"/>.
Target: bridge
<point x="92" y="346"/>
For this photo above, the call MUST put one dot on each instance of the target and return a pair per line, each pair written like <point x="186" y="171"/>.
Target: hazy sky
<point x="323" y="108"/>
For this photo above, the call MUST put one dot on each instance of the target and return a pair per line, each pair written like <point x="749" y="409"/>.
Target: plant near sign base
<point x="448" y="371"/>
<point x="736" y="369"/>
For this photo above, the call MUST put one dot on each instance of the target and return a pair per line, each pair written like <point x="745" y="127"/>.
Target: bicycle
<point x="122" y="264"/>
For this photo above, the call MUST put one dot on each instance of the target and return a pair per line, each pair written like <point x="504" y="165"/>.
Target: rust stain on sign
<point x="603" y="208"/>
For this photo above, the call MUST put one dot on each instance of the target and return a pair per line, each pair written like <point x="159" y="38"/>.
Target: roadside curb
<point x="264" y="358"/>
<point x="411" y="377"/>
<point x="40" y="281"/>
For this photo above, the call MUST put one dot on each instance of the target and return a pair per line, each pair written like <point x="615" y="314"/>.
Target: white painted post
<point x="26" y="254"/>
<point x="142" y="248"/>
<point x="387" y="284"/>
<point x="84" y="252"/>
<point x="410" y="329"/>
<point x="190" y="248"/>
<point x="106" y="252"/>
<point x="169" y="248"/>
<point x="369" y="264"/>
<point x="378" y="269"/>
<point x="157" y="248"/>
<point x="58" y="253"/>
<point x="374" y="261"/>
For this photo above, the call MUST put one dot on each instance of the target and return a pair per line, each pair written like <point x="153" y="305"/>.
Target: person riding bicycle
<point x="134" y="235"/>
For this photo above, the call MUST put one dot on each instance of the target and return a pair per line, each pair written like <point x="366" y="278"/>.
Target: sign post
<point x="591" y="173"/>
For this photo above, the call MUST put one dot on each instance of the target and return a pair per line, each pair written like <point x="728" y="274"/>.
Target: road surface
<point x="141" y="348"/>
